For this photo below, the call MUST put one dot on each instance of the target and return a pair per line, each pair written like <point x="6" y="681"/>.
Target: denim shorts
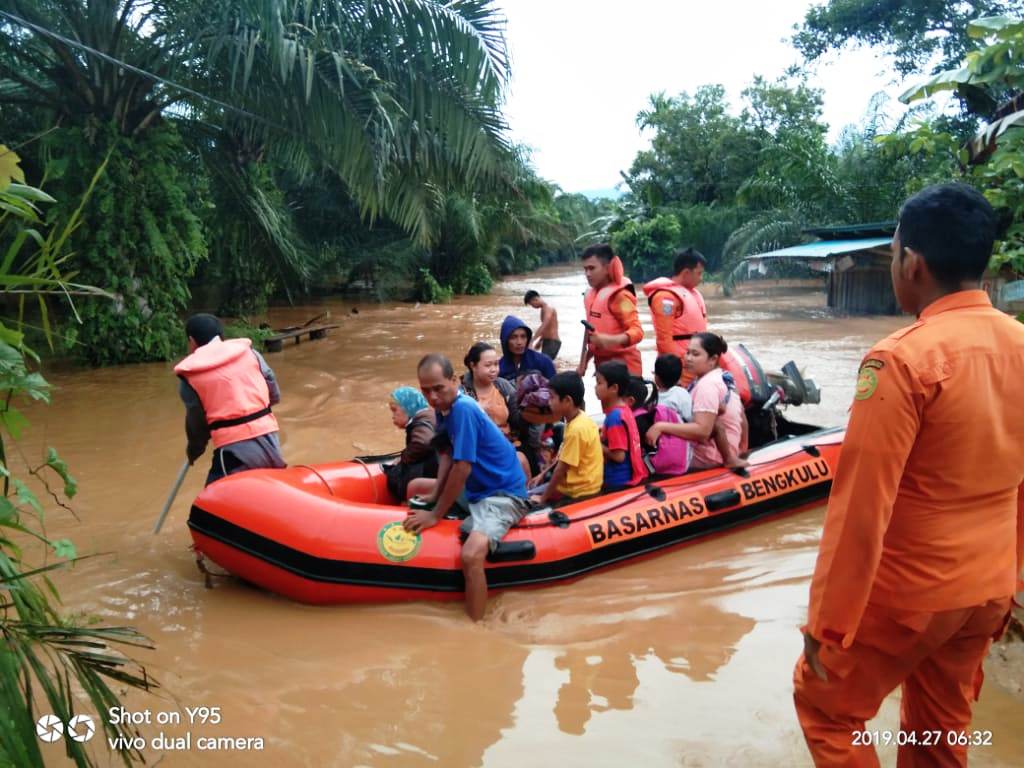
<point x="493" y="516"/>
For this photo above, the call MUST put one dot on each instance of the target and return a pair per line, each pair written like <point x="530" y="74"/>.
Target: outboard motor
<point x="770" y="390"/>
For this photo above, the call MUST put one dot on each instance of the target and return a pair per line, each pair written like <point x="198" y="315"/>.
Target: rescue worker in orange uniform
<point x="677" y="307"/>
<point x="924" y="535"/>
<point x="611" y="311"/>
<point x="228" y="389"/>
<point x="678" y="312"/>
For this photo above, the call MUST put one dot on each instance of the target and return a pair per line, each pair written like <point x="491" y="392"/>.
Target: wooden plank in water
<point x="276" y="342"/>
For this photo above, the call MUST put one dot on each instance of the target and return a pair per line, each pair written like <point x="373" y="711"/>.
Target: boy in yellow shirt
<point x="579" y="471"/>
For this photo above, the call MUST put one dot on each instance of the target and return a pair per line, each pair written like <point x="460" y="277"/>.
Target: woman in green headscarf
<point x="409" y="411"/>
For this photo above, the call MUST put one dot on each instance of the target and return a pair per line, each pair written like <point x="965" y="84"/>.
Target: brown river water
<point x="684" y="659"/>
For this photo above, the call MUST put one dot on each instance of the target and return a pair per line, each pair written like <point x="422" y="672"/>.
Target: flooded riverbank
<point x="683" y="659"/>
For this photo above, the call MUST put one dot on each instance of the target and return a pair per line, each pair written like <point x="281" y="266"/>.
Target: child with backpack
<point x="672" y="454"/>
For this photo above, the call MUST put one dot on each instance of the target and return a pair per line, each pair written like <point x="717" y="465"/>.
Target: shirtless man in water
<point x="546" y="337"/>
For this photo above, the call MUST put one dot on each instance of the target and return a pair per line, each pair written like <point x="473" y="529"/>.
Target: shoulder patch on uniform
<point x="625" y="305"/>
<point x="867" y="378"/>
<point x="668" y="307"/>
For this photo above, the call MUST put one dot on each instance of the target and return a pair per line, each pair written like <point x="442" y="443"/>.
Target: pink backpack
<point x="672" y="455"/>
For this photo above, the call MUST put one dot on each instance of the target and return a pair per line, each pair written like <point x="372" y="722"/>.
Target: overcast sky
<point x="582" y="69"/>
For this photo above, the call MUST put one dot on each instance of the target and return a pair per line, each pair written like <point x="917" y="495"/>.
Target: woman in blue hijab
<point x="409" y="411"/>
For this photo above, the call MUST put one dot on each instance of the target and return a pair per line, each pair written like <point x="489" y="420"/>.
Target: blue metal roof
<point x="824" y="249"/>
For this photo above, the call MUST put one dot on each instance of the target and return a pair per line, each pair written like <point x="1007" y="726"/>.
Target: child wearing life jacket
<point x="623" y="453"/>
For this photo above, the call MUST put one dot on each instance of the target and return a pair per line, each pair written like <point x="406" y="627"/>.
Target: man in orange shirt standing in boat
<point x="613" y="324"/>
<point x="924" y="535"/>
<point x="228" y="389"/>
<point x="677" y="307"/>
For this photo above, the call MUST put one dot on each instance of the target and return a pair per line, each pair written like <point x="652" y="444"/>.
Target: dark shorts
<point x="550" y="347"/>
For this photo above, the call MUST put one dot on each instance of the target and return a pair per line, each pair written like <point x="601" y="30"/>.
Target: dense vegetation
<point x="734" y="180"/>
<point x="219" y="155"/>
<point x="268" y="148"/>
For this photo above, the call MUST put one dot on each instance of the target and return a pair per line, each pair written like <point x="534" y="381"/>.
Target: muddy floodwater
<point x="684" y="659"/>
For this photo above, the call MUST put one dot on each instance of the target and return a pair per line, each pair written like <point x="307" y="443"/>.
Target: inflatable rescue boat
<point x="330" y="533"/>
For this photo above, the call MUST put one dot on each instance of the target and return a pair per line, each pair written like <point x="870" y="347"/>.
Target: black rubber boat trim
<point x="410" y="577"/>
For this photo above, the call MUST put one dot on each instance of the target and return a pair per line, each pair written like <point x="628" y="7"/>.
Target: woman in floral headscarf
<point x="409" y="411"/>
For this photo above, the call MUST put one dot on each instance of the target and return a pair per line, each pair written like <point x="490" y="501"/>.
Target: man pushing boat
<point x="477" y="460"/>
<point x="228" y="390"/>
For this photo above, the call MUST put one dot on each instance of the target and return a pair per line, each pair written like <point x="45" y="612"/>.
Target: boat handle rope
<point x="808" y="448"/>
<point x="369" y="475"/>
<point x="322" y="480"/>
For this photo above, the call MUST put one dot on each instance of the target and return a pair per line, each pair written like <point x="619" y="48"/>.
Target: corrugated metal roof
<point x="824" y="249"/>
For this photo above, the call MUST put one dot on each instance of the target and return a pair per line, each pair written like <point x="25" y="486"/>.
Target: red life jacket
<point x="599" y="314"/>
<point x="227" y="377"/>
<point x="635" y="452"/>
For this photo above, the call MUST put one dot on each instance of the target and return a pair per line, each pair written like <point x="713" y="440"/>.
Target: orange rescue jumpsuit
<point x="924" y="535"/>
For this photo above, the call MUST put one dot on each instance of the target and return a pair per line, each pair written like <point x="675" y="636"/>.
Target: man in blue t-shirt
<point x="482" y="462"/>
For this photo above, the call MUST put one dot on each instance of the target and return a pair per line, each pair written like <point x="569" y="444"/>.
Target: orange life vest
<point x="227" y="377"/>
<point x="690" y="314"/>
<point x="599" y="315"/>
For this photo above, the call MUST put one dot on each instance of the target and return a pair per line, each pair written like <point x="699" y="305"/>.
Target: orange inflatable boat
<point x="330" y="533"/>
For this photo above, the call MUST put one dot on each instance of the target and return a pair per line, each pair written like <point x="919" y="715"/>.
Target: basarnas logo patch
<point x="867" y="378"/>
<point x="396" y="544"/>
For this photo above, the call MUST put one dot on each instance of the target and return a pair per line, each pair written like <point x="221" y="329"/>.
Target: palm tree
<point x="400" y="99"/>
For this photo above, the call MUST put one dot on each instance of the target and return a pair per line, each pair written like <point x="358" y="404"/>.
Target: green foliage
<point x="386" y="104"/>
<point x="914" y="32"/>
<point x="473" y="279"/>
<point x="739" y="186"/>
<point x="44" y="654"/>
<point x="44" y="651"/>
<point x="244" y="330"/>
<point x="139" y="237"/>
<point x="647" y="247"/>
<point x="699" y="152"/>
<point x="996" y="156"/>
<point x="255" y="245"/>
<point x="32" y="262"/>
<point x="431" y="291"/>
<point x="1002" y="181"/>
<point x="985" y="75"/>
